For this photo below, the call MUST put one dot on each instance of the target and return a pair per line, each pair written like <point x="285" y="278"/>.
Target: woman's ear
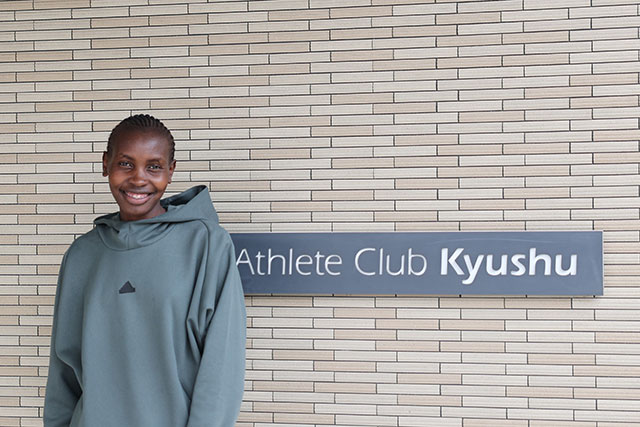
<point x="105" y="164"/>
<point x="172" y="168"/>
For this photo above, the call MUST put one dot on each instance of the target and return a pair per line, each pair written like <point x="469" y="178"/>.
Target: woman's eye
<point x="154" y="167"/>
<point x="124" y="164"/>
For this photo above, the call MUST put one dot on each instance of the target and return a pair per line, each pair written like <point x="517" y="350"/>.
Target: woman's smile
<point x="136" y="197"/>
<point x="139" y="170"/>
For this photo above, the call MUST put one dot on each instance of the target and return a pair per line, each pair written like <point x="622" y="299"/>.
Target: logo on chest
<point x="127" y="288"/>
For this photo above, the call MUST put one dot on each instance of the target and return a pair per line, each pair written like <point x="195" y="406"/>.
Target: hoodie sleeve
<point x="63" y="390"/>
<point x="219" y="384"/>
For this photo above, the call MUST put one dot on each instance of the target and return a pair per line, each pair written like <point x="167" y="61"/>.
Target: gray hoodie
<point x="149" y="323"/>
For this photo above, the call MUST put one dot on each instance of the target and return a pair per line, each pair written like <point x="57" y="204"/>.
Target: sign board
<point x="421" y="263"/>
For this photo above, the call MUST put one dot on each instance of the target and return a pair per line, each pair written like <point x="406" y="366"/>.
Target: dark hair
<point x="142" y="122"/>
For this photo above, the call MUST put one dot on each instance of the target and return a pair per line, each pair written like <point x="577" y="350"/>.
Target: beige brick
<point x="532" y="133"/>
<point x="467" y="18"/>
<point x="603" y="393"/>
<point x="362" y="33"/>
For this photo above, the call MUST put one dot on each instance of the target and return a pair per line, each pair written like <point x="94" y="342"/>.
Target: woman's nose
<point x="139" y="176"/>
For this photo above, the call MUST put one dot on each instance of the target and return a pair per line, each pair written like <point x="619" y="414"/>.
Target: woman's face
<point x="139" y="171"/>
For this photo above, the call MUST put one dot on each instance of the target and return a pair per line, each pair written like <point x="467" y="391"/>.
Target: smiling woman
<point x="139" y="163"/>
<point x="149" y="320"/>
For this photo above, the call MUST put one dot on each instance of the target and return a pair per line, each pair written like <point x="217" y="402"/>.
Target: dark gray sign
<point x="448" y="263"/>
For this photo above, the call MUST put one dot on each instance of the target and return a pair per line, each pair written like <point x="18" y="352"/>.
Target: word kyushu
<point x="516" y="265"/>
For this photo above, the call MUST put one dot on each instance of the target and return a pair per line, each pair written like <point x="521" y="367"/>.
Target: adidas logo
<point x="127" y="288"/>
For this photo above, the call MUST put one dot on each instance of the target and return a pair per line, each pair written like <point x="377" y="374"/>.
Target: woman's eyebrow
<point x="154" y="159"/>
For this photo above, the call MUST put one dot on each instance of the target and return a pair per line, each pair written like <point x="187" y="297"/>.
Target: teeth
<point x="138" y="196"/>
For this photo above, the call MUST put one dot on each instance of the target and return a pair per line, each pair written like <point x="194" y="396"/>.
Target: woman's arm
<point x="63" y="390"/>
<point x="219" y="384"/>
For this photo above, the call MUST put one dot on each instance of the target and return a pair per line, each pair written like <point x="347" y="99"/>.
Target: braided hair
<point x="142" y="122"/>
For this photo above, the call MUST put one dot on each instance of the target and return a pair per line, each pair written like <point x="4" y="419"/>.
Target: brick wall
<point x="350" y="115"/>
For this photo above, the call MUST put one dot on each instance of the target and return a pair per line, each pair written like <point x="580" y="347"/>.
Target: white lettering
<point x="445" y="260"/>
<point x="243" y="258"/>
<point x="399" y="272"/>
<point x="521" y="269"/>
<point x="572" y="271"/>
<point x="328" y="261"/>
<point x="357" y="261"/>
<point x="519" y="264"/>
<point x="259" y="258"/>
<point x="318" y="256"/>
<point x="502" y="271"/>
<point x="410" y="263"/>
<point x="290" y="261"/>
<point x="534" y="259"/>
<point x="307" y="261"/>
<point x="472" y="268"/>
<point x="424" y="263"/>
<point x="270" y="259"/>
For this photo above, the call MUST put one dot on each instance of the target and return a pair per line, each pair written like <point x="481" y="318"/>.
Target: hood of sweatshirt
<point x="193" y="204"/>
